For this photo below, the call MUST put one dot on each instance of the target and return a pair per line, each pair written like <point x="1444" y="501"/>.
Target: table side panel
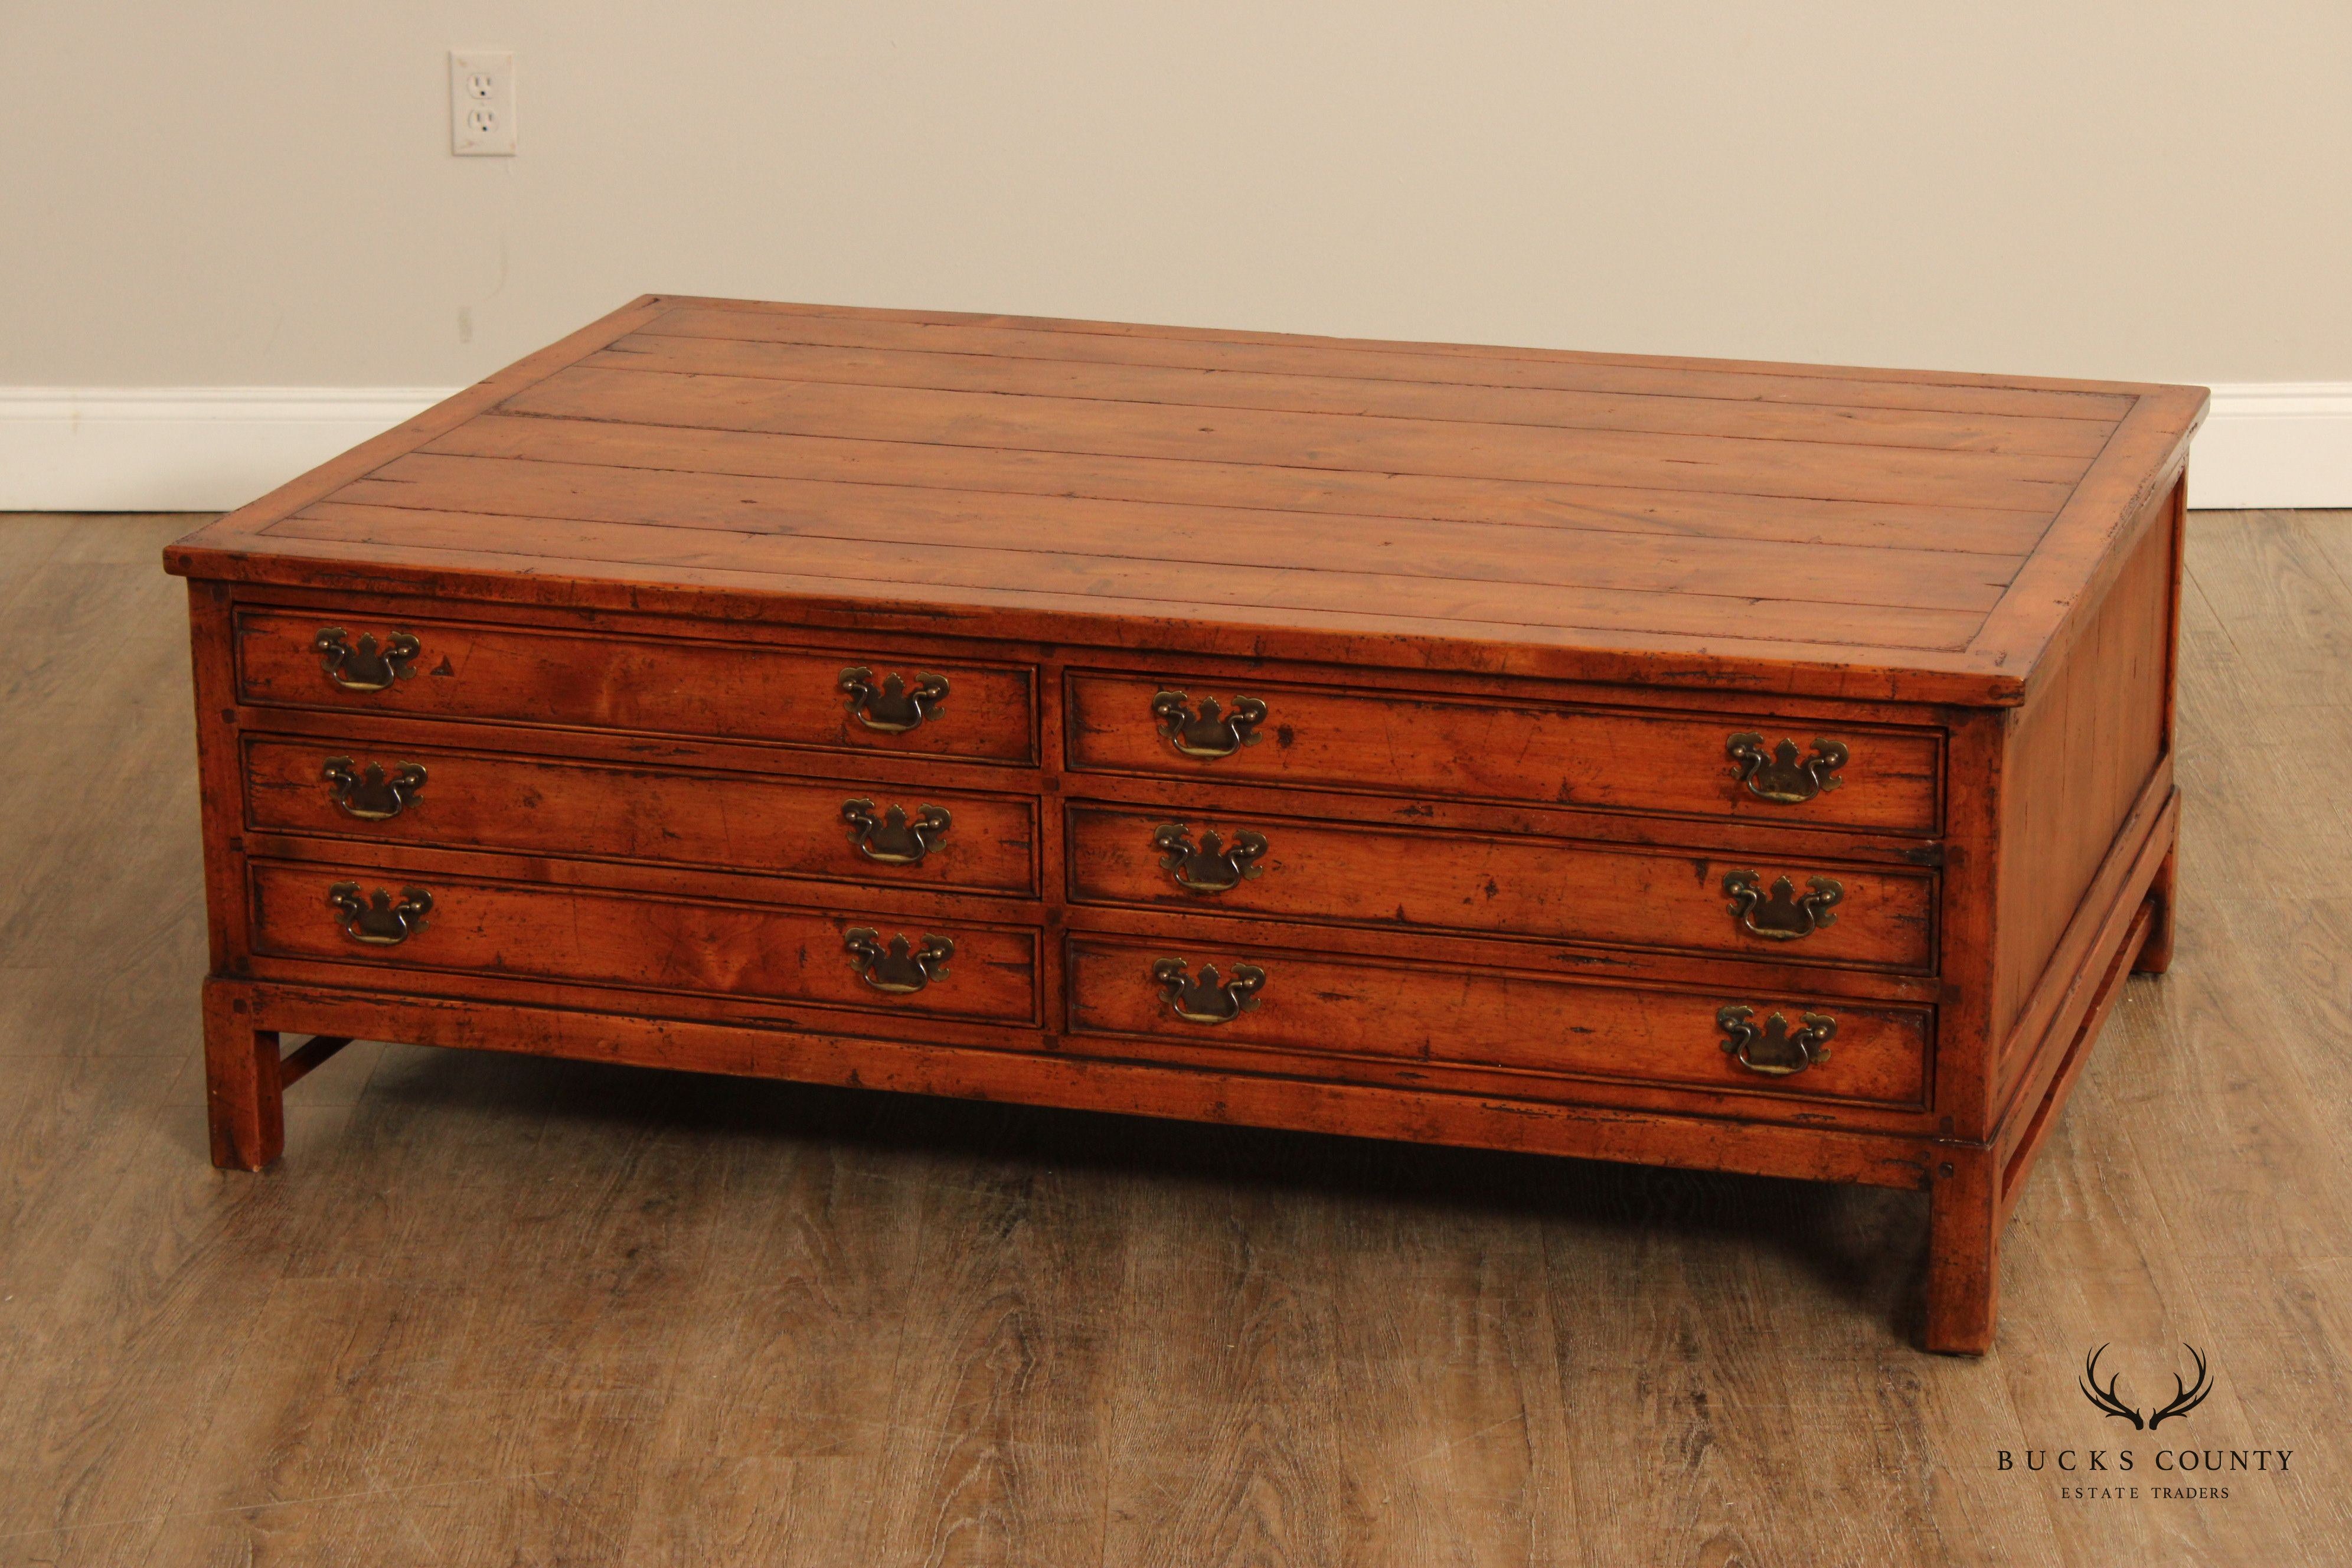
<point x="2079" y="755"/>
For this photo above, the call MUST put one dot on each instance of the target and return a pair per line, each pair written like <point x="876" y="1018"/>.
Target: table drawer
<point x="457" y="799"/>
<point x="1411" y="743"/>
<point x="600" y="937"/>
<point x="1326" y="1005"/>
<point x="862" y="699"/>
<point x="1546" y="887"/>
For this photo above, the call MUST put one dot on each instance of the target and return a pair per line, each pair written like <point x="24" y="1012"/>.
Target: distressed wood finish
<point x="1554" y="754"/>
<point x="1314" y="1005"/>
<point x="638" y="941"/>
<point x="1654" y="901"/>
<point x="606" y="811"/>
<point x="527" y="675"/>
<point x="1518" y="655"/>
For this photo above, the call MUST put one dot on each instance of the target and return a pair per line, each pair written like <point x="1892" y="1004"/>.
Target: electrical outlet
<point x="481" y="103"/>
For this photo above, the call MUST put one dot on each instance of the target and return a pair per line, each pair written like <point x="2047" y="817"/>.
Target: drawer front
<point x="1321" y="1005"/>
<point x="1408" y="743"/>
<point x="1521" y="887"/>
<point x="799" y="827"/>
<point x="908" y="704"/>
<point x="598" y="937"/>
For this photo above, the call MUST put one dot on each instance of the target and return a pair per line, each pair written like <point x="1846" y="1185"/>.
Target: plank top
<point x="1813" y="530"/>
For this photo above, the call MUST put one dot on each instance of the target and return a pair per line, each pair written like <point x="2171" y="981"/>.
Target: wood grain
<point x="1461" y="399"/>
<point x="1584" y="515"/>
<point x="533" y="806"/>
<point x="1208" y="537"/>
<point x="1316" y="1005"/>
<point x="521" y="676"/>
<point x="1498" y="750"/>
<point x="1217" y="349"/>
<point x="2081" y="753"/>
<point x="992" y="420"/>
<point x="1684" y="515"/>
<point x="1409" y="880"/>
<point x="577" y="934"/>
<point x="967" y="575"/>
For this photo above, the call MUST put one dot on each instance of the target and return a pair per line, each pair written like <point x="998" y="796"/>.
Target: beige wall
<point x="208" y="194"/>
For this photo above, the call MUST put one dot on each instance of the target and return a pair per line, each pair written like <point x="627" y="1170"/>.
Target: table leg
<point x="1963" y="1250"/>
<point x="244" y="1100"/>
<point x="2156" y="957"/>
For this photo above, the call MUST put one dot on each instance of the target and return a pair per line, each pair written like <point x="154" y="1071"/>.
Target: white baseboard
<point x="209" y="448"/>
<point x="2274" y="444"/>
<point x="180" y="448"/>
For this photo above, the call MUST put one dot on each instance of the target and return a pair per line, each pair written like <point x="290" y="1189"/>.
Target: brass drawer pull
<point x="1210" y="999"/>
<point x="1772" y="1049"/>
<point x="1780" y="777"/>
<point x="1212" y="732"/>
<point x="892" y="708"/>
<point x="892" y="838"/>
<point x="1785" y="915"/>
<point x="372" y="795"/>
<point x="1209" y="868"/>
<point x="901" y="968"/>
<point x="375" y="919"/>
<point x="366" y="667"/>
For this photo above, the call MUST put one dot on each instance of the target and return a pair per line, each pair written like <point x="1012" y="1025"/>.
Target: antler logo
<point x="2186" y="1397"/>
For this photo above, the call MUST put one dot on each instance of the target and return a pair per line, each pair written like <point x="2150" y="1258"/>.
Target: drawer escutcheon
<point x="370" y="794"/>
<point x="1210" y="866"/>
<point x="894" y="838"/>
<point x="366" y="667"/>
<point x="892" y="708"/>
<point x="1212" y="732"/>
<point x="1778" y="776"/>
<point x="898" y="968"/>
<point x="375" y="919"/>
<point x="1773" y="1048"/>
<point x="1784" y="915"/>
<point x="1210" y="998"/>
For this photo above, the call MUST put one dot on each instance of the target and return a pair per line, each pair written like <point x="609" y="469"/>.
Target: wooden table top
<point x="1873" y="533"/>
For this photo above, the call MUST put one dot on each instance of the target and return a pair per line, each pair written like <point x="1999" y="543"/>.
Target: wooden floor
<point x="518" y="1311"/>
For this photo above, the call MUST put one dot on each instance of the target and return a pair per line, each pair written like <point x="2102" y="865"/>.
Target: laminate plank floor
<point x="511" y="1310"/>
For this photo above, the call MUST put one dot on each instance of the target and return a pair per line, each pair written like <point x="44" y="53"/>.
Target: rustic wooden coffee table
<point x="1740" y="766"/>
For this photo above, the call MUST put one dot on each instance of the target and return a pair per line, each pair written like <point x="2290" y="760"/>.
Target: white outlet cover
<point x="482" y="103"/>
